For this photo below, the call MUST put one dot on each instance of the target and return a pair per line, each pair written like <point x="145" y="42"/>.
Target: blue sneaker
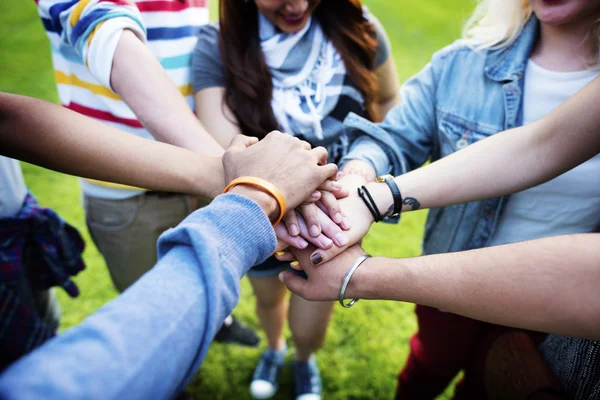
<point x="308" y="379"/>
<point x="264" y="381"/>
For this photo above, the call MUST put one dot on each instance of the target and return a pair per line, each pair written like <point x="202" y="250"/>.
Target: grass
<point x="365" y="346"/>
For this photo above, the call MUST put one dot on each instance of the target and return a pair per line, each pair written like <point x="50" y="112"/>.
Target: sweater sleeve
<point x="92" y="28"/>
<point x="149" y="341"/>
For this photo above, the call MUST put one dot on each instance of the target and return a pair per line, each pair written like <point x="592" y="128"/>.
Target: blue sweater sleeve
<point x="148" y="342"/>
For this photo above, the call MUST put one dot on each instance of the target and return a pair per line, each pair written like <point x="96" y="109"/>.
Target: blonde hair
<point x="496" y="23"/>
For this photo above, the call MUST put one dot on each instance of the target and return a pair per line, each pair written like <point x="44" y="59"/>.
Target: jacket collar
<point x="509" y="63"/>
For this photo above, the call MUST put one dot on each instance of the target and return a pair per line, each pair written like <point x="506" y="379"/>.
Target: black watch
<point x="395" y="208"/>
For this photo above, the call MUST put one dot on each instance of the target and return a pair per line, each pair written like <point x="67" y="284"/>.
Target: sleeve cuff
<point x="103" y="43"/>
<point x="367" y="150"/>
<point x="240" y="228"/>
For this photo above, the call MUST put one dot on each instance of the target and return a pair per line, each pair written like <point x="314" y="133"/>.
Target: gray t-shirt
<point x="207" y="67"/>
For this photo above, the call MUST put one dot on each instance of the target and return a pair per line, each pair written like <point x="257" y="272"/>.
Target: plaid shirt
<point x="53" y="251"/>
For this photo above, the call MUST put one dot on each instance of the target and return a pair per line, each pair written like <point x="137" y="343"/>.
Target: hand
<point x="324" y="281"/>
<point x="283" y="160"/>
<point x="331" y="233"/>
<point x="325" y="199"/>
<point x="359" y="218"/>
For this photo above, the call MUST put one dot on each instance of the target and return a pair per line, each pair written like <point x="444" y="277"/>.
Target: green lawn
<point x="366" y="345"/>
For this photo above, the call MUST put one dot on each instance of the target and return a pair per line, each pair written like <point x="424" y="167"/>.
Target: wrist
<point x="360" y="169"/>
<point x="382" y="196"/>
<point x="361" y="286"/>
<point x="268" y="203"/>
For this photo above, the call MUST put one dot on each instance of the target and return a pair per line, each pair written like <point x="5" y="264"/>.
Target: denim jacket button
<point x="461" y="143"/>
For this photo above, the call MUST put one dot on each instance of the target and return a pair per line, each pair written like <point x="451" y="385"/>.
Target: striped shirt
<point x="84" y="35"/>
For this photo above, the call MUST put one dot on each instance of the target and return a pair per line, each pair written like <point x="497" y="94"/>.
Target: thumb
<point x="294" y="283"/>
<point x="241" y="142"/>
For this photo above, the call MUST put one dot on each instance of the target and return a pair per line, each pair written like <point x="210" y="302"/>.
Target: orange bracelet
<point x="264" y="185"/>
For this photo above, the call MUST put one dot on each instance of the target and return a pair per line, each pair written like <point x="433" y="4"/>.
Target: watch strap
<point x="395" y="209"/>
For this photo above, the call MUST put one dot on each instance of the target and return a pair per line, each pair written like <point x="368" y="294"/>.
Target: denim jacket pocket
<point x="457" y="133"/>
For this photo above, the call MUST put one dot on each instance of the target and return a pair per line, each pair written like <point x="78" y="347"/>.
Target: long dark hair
<point x="249" y="88"/>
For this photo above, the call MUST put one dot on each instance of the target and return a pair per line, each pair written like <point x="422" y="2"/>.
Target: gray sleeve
<point x="384" y="48"/>
<point x="207" y="66"/>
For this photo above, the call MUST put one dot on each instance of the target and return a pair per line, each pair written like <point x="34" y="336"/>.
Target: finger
<point x="241" y="142"/>
<point x="281" y="246"/>
<point x="296" y="265"/>
<point x="321" y="256"/>
<point x="332" y="206"/>
<point x="291" y="223"/>
<point x="310" y="214"/>
<point x="320" y="154"/>
<point x="295" y="241"/>
<point x="331" y="186"/>
<point x="305" y="144"/>
<point x="285" y="256"/>
<point x="332" y="230"/>
<point x="295" y="283"/>
<point x="320" y="241"/>
<point x="327" y="171"/>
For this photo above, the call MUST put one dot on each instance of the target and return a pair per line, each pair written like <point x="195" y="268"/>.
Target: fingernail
<point x="281" y="253"/>
<point x="294" y="263"/>
<point x="326" y="242"/>
<point x="346" y="223"/>
<point x="316" y="258"/>
<point x="281" y="276"/>
<point x="341" y="239"/>
<point x="338" y="218"/>
<point x="336" y="186"/>
<point x="302" y="243"/>
<point x="315" y="196"/>
<point x="314" y="230"/>
<point x="294" y="230"/>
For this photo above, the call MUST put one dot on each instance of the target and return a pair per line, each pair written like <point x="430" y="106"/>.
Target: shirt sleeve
<point x="384" y="47"/>
<point x="92" y="28"/>
<point x="149" y="341"/>
<point x="207" y="65"/>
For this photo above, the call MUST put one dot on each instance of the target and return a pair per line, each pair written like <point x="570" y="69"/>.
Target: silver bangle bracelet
<point x="346" y="281"/>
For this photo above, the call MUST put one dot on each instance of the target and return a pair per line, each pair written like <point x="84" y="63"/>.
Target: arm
<point x="141" y="81"/>
<point x="505" y="163"/>
<point x="174" y="310"/>
<point x="87" y="148"/>
<point x="385" y="68"/>
<point x="109" y="39"/>
<point x="149" y="341"/>
<point x="215" y="115"/>
<point x="388" y="94"/>
<point x="516" y="159"/>
<point x="549" y="285"/>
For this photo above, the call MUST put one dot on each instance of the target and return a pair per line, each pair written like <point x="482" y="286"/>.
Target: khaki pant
<point x="126" y="231"/>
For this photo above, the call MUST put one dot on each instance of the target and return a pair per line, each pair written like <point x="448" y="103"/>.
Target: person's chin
<point x="291" y="26"/>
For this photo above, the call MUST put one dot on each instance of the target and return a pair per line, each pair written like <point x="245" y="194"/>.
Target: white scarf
<point x="308" y="76"/>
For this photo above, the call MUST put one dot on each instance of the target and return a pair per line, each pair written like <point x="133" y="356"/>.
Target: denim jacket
<point x="460" y="97"/>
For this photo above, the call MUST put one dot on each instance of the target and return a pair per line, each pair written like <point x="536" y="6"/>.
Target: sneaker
<point x="237" y="332"/>
<point x="308" y="379"/>
<point x="264" y="381"/>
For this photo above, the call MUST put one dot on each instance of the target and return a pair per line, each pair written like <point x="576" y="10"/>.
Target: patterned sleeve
<point x="92" y="28"/>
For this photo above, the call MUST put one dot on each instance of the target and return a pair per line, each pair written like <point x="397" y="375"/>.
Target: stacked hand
<point x="315" y="226"/>
<point x="275" y="159"/>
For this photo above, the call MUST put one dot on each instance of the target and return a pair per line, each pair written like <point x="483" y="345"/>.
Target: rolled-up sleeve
<point x="92" y="28"/>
